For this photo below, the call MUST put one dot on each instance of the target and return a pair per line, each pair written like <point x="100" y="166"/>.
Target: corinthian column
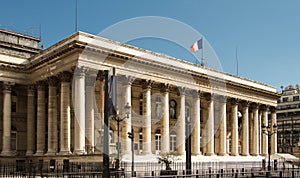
<point x="234" y="127"/>
<point x="245" y="129"/>
<point x="6" y="149"/>
<point x="196" y="123"/>
<point x="147" y="117"/>
<point x="274" y="136"/>
<point x="65" y="113"/>
<point x="209" y="133"/>
<point x="79" y="147"/>
<point x="165" y="144"/>
<point x="223" y="128"/>
<point x="181" y="123"/>
<point x="30" y="121"/>
<point x="52" y="116"/>
<point x="41" y="119"/>
<point x="90" y="110"/>
<point x="255" y="140"/>
<point x="264" y="136"/>
<point x="127" y="81"/>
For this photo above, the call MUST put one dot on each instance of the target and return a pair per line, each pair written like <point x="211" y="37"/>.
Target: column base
<point x="245" y="154"/>
<point x="50" y="153"/>
<point x="65" y="153"/>
<point x="234" y="154"/>
<point x="6" y="153"/>
<point x="209" y="154"/>
<point x="222" y="154"/>
<point x="29" y="153"/>
<point x="39" y="153"/>
<point x="79" y="152"/>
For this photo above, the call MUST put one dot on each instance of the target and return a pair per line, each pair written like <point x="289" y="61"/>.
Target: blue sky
<point x="266" y="33"/>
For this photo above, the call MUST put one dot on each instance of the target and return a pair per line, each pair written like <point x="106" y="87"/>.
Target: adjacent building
<point x="53" y="102"/>
<point x="288" y="114"/>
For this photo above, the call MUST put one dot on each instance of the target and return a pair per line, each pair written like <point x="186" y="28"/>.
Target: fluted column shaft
<point x="41" y="119"/>
<point x="223" y="128"/>
<point x="90" y="118"/>
<point x="52" y="117"/>
<point x="30" y="121"/>
<point x="165" y="146"/>
<point x="196" y="124"/>
<point x="245" y="130"/>
<point x="274" y="136"/>
<point x="263" y="135"/>
<point x="210" y="126"/>
<point x="65" y="114"/>
<point x="6" y="148"/>
<point x="79" y="145"/>
<point x="255" y="131"/>
<point x="147" y="118"/>
<point x="234" y="128"/>
<point x="181" y="124"/>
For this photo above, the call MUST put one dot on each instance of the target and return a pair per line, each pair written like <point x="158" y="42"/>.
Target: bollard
<point x="197" y="173"/>
<point x="209" y="171"/>
<point x="152" y="173"/>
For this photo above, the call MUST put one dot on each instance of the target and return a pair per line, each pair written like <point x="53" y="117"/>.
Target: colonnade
<point x="85" y="133"/>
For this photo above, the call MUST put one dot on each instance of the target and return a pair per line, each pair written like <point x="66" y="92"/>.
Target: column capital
<point x="181" y="91"/>
<point x="233" y="101"/>
<point x="165" y="87"/>
<point x="127" y="79"/>
<point x="245" y="104"/>
<point x="196" y="93"/>
<point x="254" y="105"/>
<point x="147" y="84"/>
<point x="209" y="97"/>
<point x="52" y="81"/>
<point x="80" y="71"/>
<point x="272" y="109"/>
<point x="41" y="85"/>
<point x="65" y="76"/>
<point x="221" y="98"/>
<point x="264" y="107"/>
<point x="6" y="86"/>
<point x="30" y="88"/>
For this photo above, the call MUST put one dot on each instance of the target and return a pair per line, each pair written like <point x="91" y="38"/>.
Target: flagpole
<point x="202" y="55"/>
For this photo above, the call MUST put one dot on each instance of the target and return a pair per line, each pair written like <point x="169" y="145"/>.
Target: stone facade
<point x="53" y="103"/>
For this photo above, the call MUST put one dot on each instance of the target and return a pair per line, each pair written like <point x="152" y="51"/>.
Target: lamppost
<point x="188" y="146"/>
<point x="119" y="119"/>
<point x="269" y="131"/>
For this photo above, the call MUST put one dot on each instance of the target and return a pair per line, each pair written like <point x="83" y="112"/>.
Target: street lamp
<point x="269" y="131"/>
<point x="119" y="119"/>
<point x="188" y="146"/>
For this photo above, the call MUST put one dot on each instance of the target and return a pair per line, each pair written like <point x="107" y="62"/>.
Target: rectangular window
<point x="13" y="141"/>
<point x="286" y="99"/>
<point x="172" y="142"/>
<point x="295" y="98"/>
<point x="157" y="142"/>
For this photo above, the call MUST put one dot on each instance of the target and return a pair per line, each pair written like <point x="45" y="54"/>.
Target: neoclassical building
<point x="53" y="101"/>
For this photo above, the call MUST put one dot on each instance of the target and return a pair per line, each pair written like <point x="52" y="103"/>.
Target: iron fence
<point x="22" y="168"/>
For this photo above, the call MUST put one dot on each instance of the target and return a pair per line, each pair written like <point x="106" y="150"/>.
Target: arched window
<point x="141" y="141"/>
<point x="14" y="101"/>
<point x="13" y="138"/>
<point x="157" y="141"/>
<point x="173" y="105"/>
<point x="141" y="104"/>
<point x="173" y="141"/>
<point x="158" y="107"/>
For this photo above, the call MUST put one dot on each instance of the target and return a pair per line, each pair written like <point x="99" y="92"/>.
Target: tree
<point x="168" y="159"/>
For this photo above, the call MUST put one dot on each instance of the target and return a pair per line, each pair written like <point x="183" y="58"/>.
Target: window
<point x="141" y="104"/>
<point x="141" y="140"/>
<point x="158" y="107"/>
<point x="295" y="98"/>
<point x="187" y="110"/>
<point x="14" y="100"/>
<point x="13" y="139"/>
<point x="278" y="101"/>
<point x="157" y="141"/>
<point x="172" y="141"/>
<point x="286" y="99"/>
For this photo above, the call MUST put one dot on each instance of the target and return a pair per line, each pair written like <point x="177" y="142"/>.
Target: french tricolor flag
<point x="197" y="45"/>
